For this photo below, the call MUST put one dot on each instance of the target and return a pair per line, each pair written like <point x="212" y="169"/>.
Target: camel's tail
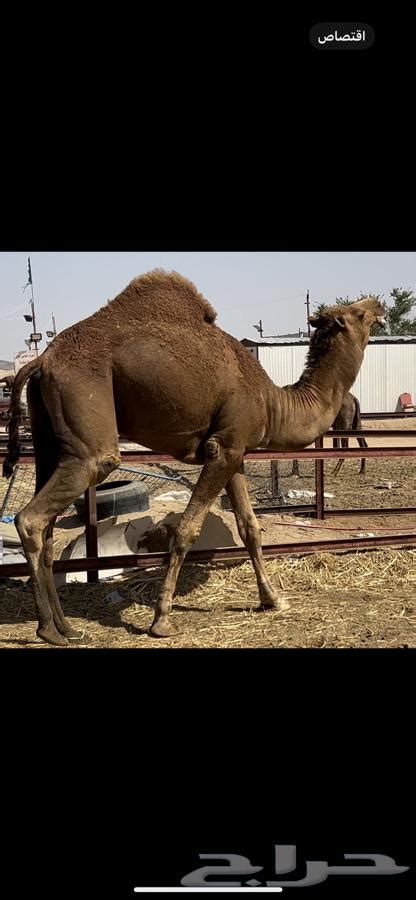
<point x="16" y="412"/>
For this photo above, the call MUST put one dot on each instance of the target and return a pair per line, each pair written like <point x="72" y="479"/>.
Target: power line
<point x="11" y="310"/>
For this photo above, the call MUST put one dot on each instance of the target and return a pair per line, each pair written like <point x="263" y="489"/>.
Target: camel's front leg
<point x="250" y="533"/>
<point x="220" y="465"/>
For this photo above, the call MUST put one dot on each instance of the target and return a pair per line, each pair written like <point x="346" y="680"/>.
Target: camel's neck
<point x="299" y="413"/>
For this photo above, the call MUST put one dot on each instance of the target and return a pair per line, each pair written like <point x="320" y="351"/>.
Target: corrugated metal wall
<point x="284" y="365"/>
<point x="388" y="370"/>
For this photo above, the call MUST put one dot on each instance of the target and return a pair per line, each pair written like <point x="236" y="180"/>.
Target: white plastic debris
<point x="365" y="534"/>
<point x="298" y="495"/>
<point x="174" y="495"/>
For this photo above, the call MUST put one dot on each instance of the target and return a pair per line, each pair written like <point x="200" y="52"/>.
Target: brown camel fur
<point x="153" y="367"/>
<point x="349" y="419"/>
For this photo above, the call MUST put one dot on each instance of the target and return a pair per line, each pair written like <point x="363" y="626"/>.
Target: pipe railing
<point x="92" y="564"/>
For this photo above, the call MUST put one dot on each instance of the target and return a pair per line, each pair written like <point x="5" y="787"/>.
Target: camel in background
<point x="7" y="381"/>
<point x="153" y="366"/>
<point x="349" y="419"/>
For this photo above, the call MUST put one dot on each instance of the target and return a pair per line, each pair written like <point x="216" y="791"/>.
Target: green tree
<point x="339" y="301"/>
<point x="397" y="311"/>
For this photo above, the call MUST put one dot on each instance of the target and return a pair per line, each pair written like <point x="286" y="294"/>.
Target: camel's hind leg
<point x="363" y="443"/>
<point x="76" y="445"/>
<point x="344" y="444"/>
<point x="34" y="525"/>
<point x="250" y="533"/>
<point x="295" y="468"/>
<point x="31" y="537"/>
<point x="61" y="623"/>
<point x="221" y="464"/>
<point x="46" y="458"/>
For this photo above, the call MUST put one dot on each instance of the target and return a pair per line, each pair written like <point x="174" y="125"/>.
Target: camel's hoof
<point x="50" y="635"/>
<point x="74" y="636"/>
<point x="163" y="628"/>
<point x="280" y="604"/>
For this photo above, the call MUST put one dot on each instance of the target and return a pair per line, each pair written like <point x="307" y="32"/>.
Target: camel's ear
<point x="325" y="320"/>
<point x="313" y="320"/>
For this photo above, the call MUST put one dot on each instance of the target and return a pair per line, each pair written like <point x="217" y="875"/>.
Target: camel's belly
<point x="186" y="447"/>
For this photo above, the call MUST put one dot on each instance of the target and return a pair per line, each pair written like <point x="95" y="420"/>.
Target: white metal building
<point x="388" y="369"/>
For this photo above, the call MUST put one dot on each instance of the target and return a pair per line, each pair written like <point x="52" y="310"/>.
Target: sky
<point x="242" y="287"/>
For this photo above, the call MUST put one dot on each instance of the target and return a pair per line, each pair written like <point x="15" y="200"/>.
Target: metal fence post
<point x="319" y="481"/>
<point x="91" y="537"/>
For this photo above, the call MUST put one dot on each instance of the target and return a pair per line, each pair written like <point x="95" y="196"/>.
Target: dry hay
<point x="359" y="599"/>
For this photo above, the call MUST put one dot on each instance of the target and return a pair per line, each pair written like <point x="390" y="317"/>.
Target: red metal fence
<point x="93" y="563"/>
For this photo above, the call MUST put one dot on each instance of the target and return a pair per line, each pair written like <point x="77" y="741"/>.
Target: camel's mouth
<point x="382" y="321"/>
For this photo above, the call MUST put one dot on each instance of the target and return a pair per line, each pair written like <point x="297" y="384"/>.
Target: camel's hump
<point x="159" y="288"/>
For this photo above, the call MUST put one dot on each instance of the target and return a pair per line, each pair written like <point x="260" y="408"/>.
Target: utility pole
<point x="259" y="328"/>
<point x="52" y="334"/>
<point x="34" y="337"/>
<point x="307" y="312"/>
<point x="33" y="306"/>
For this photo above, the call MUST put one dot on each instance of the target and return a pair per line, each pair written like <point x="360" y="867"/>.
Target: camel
<point x="153" y="367"/>
<point x="348" y="419"/>
<point x="7" y="381"/>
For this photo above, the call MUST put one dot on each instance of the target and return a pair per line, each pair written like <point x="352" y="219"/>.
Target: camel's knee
<point x="184" y="537"/>
<point x="29" y="531"/>
<point x="104" y="467"/>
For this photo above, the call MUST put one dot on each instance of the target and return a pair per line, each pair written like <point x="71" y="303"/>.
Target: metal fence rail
<point x="93" y="563"/>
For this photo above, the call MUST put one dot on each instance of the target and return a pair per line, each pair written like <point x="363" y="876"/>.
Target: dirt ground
<point x="364" y="599"/>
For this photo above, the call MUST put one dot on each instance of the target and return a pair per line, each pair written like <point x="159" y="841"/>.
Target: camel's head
<point x="356" y="319"/>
